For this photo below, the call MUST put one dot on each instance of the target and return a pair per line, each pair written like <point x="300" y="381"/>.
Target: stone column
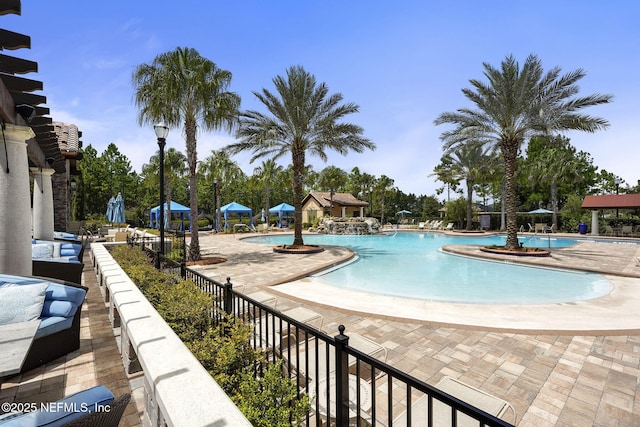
<point x="594" y="223"/>
<point x="15" y="205"/>
<point x="43" y="216"/>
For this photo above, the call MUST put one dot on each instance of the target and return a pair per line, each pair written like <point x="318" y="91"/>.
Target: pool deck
<point x="561" y="378"/>
<point x="572" y="364"/>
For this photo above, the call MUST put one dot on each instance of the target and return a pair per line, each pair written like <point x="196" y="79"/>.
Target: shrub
<point x="262" y="392"/>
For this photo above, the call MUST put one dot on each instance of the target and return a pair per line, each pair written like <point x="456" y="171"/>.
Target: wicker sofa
<point x="57" y="260"/>
<point x="55" y="303"/>
<point x="95" y="406"/>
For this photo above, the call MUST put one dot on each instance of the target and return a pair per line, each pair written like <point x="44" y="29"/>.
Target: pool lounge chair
<point x="442" y="412"/>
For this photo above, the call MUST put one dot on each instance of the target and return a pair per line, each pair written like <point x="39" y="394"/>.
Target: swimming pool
<point x="412" y="265"/>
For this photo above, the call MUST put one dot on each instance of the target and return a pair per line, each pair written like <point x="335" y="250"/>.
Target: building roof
<point x="19" y="104"/>
<point x="342" y="199"/>
<point x="612" y="201"/>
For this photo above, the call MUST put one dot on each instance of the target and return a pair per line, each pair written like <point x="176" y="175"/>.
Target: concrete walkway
<point x="581" y="374"/>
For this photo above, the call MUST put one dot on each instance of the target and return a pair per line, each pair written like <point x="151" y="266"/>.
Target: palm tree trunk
<point x="554" y="203"/>
<point x="190" y="128"/>
<point x="298" y="159"/>
<point x="469" y="204"/>
<point x="510" y="151"/>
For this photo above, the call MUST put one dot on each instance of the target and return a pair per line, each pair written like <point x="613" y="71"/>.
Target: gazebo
<point x="176" y="208"/>
<point x="235" y="208"/>
<point x="282" y="208"/>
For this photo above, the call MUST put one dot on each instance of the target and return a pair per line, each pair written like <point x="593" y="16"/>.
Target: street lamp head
<point x="161" y="130"/>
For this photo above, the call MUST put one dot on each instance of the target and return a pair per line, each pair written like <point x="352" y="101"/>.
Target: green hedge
<point x="262" y="392"/>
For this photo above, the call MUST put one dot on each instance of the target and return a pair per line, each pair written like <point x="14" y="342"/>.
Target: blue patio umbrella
<point x="111" y="207"/>
<point x="540" y="211"/>
<point x="118" y="210"/>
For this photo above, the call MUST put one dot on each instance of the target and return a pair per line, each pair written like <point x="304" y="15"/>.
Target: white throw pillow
<point x="41" y="250"/>
<point x="21" y="303"/>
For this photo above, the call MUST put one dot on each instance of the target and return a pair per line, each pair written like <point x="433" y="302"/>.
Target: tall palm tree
<point x="516" y="104"/>
<point x="470" y="162"/>
<point x="383" y="186"/>
<point x="175" y="167"/>
<point x="184" y="89"/>
<point x="303" y="119"/>
<point x="218" y="165"/>
<point x="267" y="174"/>
<point x="556" y="164"/>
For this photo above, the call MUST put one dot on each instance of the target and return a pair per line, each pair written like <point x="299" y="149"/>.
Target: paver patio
<point x="561" y="378"/>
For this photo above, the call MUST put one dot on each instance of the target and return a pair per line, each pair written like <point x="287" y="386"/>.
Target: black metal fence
<point x="348" y="384"/>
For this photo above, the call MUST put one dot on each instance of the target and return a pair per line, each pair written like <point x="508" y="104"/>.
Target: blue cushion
<point x="65" y="410"/>
<point x="56" y="291"/>
<point x="51" y="325"/>
<point x="70" y="249"/>
<point x="58" y="308"/>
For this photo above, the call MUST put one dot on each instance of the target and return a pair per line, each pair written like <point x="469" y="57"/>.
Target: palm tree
<point x="383" y="185"/>
<point x="516" y="104"/>
<point x="174" y="169"/>
<point x="182" y="88"/>
<point x="470" y="162"/>
<point x="304" y="119"/>
<point x="332" y="178"/>
<point x="267" y="174"/>
<point x="556" y="164"/>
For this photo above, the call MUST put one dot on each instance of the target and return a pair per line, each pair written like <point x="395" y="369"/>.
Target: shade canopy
<point x="540" y="211"/>
<point x="282" y="209"/>
<point x="403" y="212"/>
<point x="175" y="208"/>
<point x="235" y="208"/>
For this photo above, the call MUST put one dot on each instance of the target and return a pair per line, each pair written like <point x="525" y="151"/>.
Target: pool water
<point x="412" y="265"/>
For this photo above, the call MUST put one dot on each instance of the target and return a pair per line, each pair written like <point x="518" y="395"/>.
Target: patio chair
<point x="626" y="230"/>
<point x="608" y="230"/>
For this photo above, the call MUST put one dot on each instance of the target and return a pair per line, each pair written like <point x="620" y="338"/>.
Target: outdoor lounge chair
<point x="442" y="412"/>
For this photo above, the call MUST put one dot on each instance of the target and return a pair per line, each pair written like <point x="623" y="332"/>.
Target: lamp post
<point x="215" y="203"/>
<point x="162" y="131"/>
<point x="617" y="181"/>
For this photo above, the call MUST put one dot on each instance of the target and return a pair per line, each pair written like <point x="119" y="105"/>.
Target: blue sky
<point x="403" y="63"/>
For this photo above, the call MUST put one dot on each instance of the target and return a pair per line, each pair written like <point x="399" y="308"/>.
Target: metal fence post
<point x="227" y="297"/>
<point x="342" y="379"/>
